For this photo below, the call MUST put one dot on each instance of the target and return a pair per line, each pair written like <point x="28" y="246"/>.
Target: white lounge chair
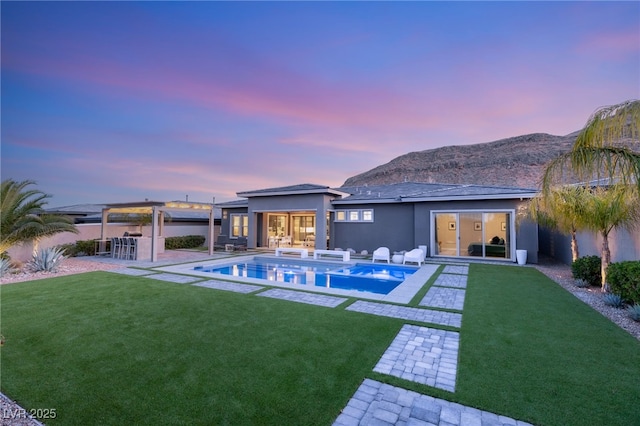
<point x="381" y="253"/>
<point x="415" y="255"/>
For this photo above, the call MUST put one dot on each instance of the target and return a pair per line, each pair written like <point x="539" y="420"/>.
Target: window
<point x="239" y="225"/>
<point x="359" y="215"/>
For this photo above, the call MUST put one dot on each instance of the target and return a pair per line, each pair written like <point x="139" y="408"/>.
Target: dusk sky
<point x="106" y="102"/>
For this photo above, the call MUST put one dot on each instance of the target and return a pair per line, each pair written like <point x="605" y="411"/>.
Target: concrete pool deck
<point x="403" y="293"/>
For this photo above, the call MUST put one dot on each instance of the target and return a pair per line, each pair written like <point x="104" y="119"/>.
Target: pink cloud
<point x="612" y="46"/>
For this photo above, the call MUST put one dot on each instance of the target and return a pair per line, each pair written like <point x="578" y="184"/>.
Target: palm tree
<point x="563" y="209"/>
<point x="603" y="151"/>
<point x="22" y="217"/>
<point x="609" y="208"/>
<point x="603" y="159"/>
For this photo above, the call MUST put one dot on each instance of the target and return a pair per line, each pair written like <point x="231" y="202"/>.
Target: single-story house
<point x="459" y="221"/>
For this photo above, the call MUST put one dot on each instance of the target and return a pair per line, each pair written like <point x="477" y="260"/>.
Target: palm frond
<point x="610" y="124"/>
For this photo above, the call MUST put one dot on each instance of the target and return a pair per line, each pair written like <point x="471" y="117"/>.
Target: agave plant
<point x="6" y="267"/>
<point x="612" y="300"/>
<point x="581" y="283"/>
<point x="634" y="312"/>
<point x="48" y="260"/>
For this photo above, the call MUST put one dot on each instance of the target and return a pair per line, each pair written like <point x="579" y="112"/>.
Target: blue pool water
<point x="374" y="278"/>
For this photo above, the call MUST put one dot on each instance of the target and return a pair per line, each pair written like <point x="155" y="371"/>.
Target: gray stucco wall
<point x="624" y="245"/>
<point x="392" y="227"/>
<point x="403" y="226"/>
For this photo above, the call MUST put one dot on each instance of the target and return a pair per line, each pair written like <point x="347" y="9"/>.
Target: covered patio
<point x="148" y="248"/>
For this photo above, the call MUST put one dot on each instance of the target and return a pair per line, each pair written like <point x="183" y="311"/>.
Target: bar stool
<point x="116" y="247"/>
<point x="130" y="248"/>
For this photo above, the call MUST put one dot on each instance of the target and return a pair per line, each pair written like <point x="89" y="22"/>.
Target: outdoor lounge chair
<point x="415" y="255"/>
<point x="221" y="242"/>
<point x="239" y="243"/>
<point x="381" y="253"/>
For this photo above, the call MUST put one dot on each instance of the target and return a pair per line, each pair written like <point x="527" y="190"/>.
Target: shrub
<point x="581" y="283"/>
<point x="634" y="312"/>
<point x="186" y="241"/>
<point x="624" y="279"/>
<point x="6" y="267"/>
<point x="612" y="300"/>
<point x="588" y="268"/>
<point x="48" y="260"/>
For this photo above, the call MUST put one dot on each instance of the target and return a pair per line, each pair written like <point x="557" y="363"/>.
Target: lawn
<point x="103" y="348"/>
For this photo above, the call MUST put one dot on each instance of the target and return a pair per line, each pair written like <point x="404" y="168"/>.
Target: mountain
<point x="517" y="161"/>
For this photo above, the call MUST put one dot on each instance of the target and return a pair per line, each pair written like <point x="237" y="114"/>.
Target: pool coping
<point x="403" y="293"/>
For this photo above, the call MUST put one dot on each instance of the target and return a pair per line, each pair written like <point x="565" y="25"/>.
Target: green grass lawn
<point x="103" y="348"/>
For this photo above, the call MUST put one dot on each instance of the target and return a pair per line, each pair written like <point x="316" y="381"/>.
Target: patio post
<point x="154" y="232"/>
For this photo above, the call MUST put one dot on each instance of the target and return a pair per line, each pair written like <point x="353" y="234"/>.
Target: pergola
<point x="157" y="209"/>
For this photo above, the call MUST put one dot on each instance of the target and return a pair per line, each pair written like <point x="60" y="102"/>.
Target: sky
<point x="107" y="102"/>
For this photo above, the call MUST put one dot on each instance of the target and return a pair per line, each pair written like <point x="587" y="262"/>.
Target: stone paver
<point x="424" y="355"/>
<point x="228" y="286"/>
<point x="444" y="297"/>
<point x="180" y="279"/>
<point x="299" y="296"/>
<point x="379" y="403"/>
<point x="456" y="269"/>
<point x="133" y="271"/>
<point x="407" y="313"/>
<point x="451" y="280"/>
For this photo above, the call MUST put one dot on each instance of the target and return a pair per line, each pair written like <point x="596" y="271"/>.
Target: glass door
<point x="304" y="230"/>
<point x="471" y="234"/>
<point x="446" y="225"/>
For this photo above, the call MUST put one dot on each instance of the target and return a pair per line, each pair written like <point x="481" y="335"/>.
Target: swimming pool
<point x="367" y="277"/>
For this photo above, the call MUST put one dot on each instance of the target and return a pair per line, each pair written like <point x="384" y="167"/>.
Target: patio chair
<point x="381" y="253"/>
<point x="240" y="244"/>
<point x="221" y="242"/>
<point x="415" y="255"/>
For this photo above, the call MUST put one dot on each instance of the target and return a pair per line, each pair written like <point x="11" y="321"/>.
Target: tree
<point x="603" y="151"/>
<point x="563" y="209"/>
<point x="22" y="216"/>
<point x="603" y="159"/>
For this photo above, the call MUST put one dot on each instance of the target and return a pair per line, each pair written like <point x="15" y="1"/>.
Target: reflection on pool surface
<point x="374" y="278"/>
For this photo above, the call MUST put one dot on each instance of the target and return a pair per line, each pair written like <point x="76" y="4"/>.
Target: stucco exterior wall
<point x="91" y="231"/>
<point x="624" y="245"/>
<point x="404" y="226"/>
<point x="392" y="227"/>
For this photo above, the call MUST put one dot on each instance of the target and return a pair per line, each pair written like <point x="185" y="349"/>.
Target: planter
<point x="521" y="257"/>
<point x="397" y="258"/>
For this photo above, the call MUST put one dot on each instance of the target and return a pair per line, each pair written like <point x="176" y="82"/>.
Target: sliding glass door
<point x="485" y="234"/>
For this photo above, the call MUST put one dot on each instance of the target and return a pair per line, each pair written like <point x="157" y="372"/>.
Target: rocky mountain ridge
<point x="518" y="162"/>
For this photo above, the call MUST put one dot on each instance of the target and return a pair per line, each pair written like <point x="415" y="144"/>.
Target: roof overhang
<point x="520" y="196"/>
<point x="146" y="207"/>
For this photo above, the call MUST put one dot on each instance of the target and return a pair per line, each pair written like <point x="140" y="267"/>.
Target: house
<point x="459" y="221"/>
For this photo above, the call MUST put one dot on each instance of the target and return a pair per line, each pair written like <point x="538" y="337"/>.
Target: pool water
<point x="374" y="278"/>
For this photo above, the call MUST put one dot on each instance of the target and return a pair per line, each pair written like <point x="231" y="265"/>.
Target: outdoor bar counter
<point x="143" y="251"/>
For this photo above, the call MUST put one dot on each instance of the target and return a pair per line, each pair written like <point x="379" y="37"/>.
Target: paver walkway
<point x="180" y="279"/>
<point x="302" y="297"/>
<point x="451" y="280"/>
<point x="133" y="271"/>
<point x="444" y="297"/>
<point x="229" y="286"/>
<point x="404" y="312"/>
<point x="376" y="403"/>
<point x="424" y="355"/>
<point x="456" y="269"/>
